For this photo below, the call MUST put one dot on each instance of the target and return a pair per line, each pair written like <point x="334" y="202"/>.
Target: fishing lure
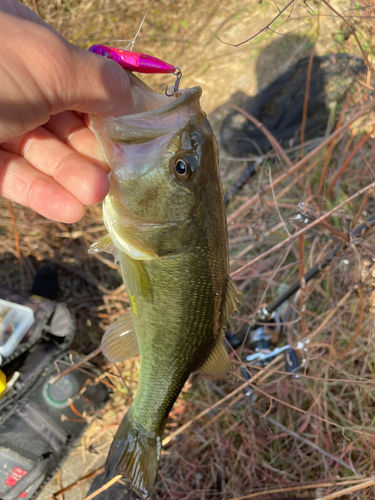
<point x="141" y="63"/>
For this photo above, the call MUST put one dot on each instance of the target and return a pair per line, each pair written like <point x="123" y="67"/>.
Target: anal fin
<point x="218" y="363"/>
<point x="119" y="341"/>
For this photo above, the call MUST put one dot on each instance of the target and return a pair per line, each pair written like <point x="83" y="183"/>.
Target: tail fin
<point x="134" y="454"/>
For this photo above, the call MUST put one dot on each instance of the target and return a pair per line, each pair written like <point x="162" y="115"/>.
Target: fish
<point x="166" y="225"/>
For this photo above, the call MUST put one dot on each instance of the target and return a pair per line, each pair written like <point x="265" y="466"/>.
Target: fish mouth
<point x="156" y="115"/>
<point x="159" y="104"/>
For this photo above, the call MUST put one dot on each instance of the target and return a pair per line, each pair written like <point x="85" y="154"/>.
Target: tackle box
<point x="15" y="321"/>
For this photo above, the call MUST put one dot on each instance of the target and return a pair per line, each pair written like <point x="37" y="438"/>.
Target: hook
<point x="178" y="75"/>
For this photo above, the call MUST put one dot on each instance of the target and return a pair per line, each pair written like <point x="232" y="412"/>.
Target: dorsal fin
<point x="218" y="362"/>
<point x="119" y="341"/>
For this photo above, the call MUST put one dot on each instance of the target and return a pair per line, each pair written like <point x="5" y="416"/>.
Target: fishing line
<point x="132" y="42"/>
<point x="265" y="312"/>
<point x="358" y="231"/>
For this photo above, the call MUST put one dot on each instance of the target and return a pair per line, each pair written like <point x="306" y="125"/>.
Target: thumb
<point x="94" y="84"/>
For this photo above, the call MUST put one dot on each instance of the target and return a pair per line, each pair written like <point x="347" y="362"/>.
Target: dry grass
<point x="309" y="436"/>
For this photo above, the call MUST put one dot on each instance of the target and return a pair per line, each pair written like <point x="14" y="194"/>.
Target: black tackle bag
<point x="39" y="420"/>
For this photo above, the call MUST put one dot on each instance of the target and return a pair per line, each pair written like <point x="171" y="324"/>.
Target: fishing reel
<point x="263" y="337"/>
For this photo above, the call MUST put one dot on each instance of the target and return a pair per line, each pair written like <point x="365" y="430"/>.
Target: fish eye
<point x="182" y="169"/>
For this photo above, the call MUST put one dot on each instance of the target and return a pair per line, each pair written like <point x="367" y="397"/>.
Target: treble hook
<point x="178" y="75"/>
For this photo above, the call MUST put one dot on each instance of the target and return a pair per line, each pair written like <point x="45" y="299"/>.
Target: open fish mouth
<point x="156" y="115"/>
<point x="147" y="101"/>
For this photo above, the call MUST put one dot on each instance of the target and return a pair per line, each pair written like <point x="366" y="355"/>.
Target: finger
<point x="72" y="130"/>
<point x="22" y="183"/>
<point x="84" y="180"/>
<point x="21" y="11"/>
<point x="108" y="92"/>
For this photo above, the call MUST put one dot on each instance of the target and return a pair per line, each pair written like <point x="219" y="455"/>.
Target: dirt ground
<point x="310" y="435"/>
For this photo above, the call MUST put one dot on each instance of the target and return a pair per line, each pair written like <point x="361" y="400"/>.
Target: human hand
<point x="49" y="159"/>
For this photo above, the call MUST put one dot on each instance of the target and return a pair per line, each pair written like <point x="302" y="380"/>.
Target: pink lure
<point x="142" y="63"/>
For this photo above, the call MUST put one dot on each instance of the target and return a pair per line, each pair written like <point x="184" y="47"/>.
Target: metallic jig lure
<point x="141" y="63"/>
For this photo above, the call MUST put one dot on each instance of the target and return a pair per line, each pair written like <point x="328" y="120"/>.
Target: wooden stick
<point x="104" y="487"/>
<point x="77" y="483"/>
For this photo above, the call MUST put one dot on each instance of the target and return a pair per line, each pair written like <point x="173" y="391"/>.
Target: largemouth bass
<point x="167" y="227"/>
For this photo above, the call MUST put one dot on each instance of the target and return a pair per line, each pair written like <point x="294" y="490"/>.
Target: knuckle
<point x="63" y="163"/>
<point x="33" y="194"/>
<point x="26" y="142"/>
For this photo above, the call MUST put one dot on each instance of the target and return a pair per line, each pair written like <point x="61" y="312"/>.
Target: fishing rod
<point x="250" y="171"/>
<point x="266" y="312"/>
<point x="266" y="328"/>
<point x="255" y="162"/>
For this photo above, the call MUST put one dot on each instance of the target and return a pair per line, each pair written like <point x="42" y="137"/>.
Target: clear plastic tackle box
<point x="15" y="321"/>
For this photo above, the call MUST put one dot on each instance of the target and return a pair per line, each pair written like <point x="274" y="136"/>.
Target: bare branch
<point x="259" y="32"/>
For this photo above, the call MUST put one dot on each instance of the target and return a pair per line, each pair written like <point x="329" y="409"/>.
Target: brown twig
<point x="297" y="178"/>
<point x="78" y="482"/>
<point x="74" y="410"/>
<point x="240" y="396"/>
<point x="218" y="403"/>
<point x="328" y="154"/>
<point x="353" y="31"/>
<point x="306" y="413"/>
<point x="352" y="489"/>
<point x="110" y="483"/>
<point x="59" y="483"/>
<point x="306" y="98"/>
<point x="347" y="161"/>
<point x="312" y="445"/>
<point x="245" y="207"/>
<point x="76" y="365"/>
<point x="303" y="230"/>
<point x="275" y="144"/>
<point x="259" y="32"/>
<point x="301" y="272"/>
<point x="277" y="205"/>
<point x="360" y="210"/>
<point x="359" y="323"/>
<point x="322" y="484"/>
<point x="330" y="315"/>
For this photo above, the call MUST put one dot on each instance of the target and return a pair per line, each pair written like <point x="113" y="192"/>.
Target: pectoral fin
<point x="119" y="341"/>
<point x="232" y="301"/>
<point x="121" y="229"/>
<point x="105" y="244"/>
<point x="135" y="277"/>
<point x="218" y="362"/>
